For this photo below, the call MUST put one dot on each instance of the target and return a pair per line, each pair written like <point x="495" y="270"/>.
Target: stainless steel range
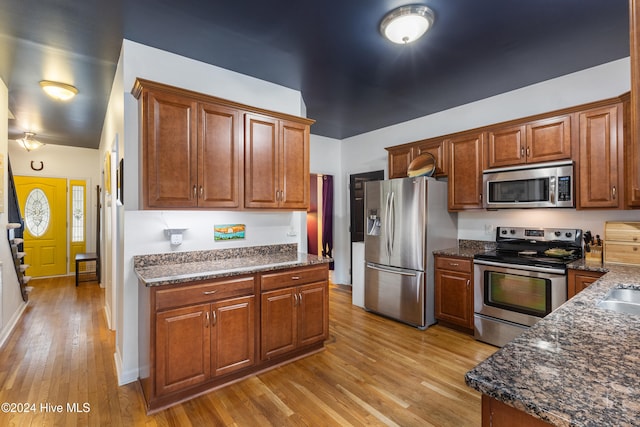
<point x="522" y="281"/>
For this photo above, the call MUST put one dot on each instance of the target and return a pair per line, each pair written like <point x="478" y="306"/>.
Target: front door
<point x="43" y="208"/>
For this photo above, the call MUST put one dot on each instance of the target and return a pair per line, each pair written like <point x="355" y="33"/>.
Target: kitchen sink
<point x="622" y="300"/>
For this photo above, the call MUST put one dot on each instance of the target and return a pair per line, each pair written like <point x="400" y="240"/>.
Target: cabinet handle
<point x="282" y="195"/>
<point x="195" y="192"/>
<point x="201" y="191"/>
<point x="295" y="277"/>
<point x="209" y="292"/>
<point x="480" y="196"/>
<point x="468" y="283"/>
<point x="635" y="248"/>
<point x="614" y="192"/>
<point x="635" y="238"/>
<point x="521" y="151"/>
<point x="295" y="300"/>
<point x="215" y="318"/>
<point x="528" y="151"/>
<point x="206" y="323"/>
<point x="277" y="195"/>
<point x="300" y="296"/>
<point x="454" y="264"/>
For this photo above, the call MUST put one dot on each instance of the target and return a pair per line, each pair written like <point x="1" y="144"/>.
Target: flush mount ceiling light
<point x="407" y="24"/>
<point x="28" y="142"/>
<point x="58" y="91"/>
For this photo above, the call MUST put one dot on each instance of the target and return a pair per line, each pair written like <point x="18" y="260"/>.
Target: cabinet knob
<point x="635" y="238"/>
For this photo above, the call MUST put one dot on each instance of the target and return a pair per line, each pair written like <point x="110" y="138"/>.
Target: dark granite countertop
<point x="579" y="366"/>
<point x="467" y="248"/>
<point x="182" y="267"/>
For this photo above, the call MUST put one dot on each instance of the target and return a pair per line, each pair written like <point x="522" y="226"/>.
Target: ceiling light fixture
<point x="58" y="91"/>
<point x="407" y="24"/>
<point x="28" y="143"/>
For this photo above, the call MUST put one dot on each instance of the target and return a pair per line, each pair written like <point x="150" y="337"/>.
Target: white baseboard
<point x="124" y="377"/>
<point x="107" y="316"/>
<point x="11" y="325"/>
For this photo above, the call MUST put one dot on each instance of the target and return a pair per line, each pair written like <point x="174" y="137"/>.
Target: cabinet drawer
<point x="622" y="253"/>
<point x="622" y="231"/>
<point x="195" y="294"/>
<point x="296" y="277"/>
<point x="453" y="264"/>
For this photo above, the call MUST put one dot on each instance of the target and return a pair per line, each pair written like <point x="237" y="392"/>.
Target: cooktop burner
<point x="544" y="247"/>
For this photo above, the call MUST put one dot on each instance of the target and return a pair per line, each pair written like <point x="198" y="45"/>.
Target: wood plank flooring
<point x="374" y="371"/>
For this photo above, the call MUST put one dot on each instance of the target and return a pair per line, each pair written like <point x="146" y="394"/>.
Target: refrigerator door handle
<point x="392" y="222"/>
<point x="386" y="224"/>
<point x="387" y="270"/>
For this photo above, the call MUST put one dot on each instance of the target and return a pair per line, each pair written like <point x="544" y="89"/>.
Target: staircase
<point x="15" y="229"/>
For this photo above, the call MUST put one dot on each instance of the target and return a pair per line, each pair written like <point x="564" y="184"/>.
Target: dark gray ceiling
<point x="352" y="79"/>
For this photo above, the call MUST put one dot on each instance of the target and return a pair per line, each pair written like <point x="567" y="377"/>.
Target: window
<point x="37" y="212"/>
<point x="77" y="213"/>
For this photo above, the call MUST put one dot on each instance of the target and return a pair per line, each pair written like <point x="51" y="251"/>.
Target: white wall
<point x="11" y="304"/>
<point x="142" y="231"/>
<point x="363" y="153"/>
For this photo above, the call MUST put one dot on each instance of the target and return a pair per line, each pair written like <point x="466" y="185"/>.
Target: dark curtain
<point x="327" y="217"/>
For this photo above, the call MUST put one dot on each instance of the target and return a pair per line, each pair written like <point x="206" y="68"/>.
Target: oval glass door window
<point x="37" y="212"/>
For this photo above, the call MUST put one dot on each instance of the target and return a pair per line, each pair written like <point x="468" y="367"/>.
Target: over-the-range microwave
<point x="542" y="185"/>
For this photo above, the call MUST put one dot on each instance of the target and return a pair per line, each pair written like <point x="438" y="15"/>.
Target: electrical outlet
<point x="176" y="239"/>
<point x="489" y="230"/>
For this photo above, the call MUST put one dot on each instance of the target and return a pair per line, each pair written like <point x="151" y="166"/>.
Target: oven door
<point x="517" y="293"/>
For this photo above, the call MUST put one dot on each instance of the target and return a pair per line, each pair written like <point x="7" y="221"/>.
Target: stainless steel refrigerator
<point x="407" y="219"/>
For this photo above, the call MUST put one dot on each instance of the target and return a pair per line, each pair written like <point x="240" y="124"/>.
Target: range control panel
<point x="539" y="234"/>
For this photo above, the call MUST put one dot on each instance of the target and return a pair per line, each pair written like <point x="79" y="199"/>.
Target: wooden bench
<point x="84" y="258"/>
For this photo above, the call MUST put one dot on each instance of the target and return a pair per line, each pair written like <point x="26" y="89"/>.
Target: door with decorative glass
<point x="44" y="209"/>
<point x="78" y="222"/>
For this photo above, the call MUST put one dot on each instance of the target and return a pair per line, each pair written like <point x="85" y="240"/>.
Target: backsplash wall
<point x="481" y="225"/>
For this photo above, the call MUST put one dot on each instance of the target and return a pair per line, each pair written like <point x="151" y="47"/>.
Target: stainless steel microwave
<point x="542" y="185"/>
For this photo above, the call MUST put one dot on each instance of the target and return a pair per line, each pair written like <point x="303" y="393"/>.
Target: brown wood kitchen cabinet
<point x="632" y="154"/>
<point x="195" y="334"/>
<point x="601" y="159"/>
<point x="276" y="163"/>
<point x="400" y="157"/>
<point x="295" y="310"/>
<point x="578" y="280"/>
<point x="466" y="157"/>
<point x="191" y="151"/>
<point x="454" y="291"/>
<point x="541" y="140"/>
<point x="399" y="160"/>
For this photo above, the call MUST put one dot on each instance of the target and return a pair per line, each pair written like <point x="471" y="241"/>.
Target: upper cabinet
<point x="632" y="154"/>
<point x="401" y="157"/>
<point x="601" y="158"/>
<point x="200" y="151"/>
<point x="465" y="171"/>
<point x="277" y="163"/>
<point x="537" y="141"/>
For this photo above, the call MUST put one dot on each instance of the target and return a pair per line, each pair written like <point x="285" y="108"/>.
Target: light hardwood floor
<point x="374" y="371"/>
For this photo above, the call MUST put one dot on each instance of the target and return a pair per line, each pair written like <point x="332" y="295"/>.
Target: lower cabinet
<point x="577" y="280"/>
<point x="293" y="316"/>
<point x="194" y="344"/>
<point x="198" y="336"/>
<point x="454" y="292"/>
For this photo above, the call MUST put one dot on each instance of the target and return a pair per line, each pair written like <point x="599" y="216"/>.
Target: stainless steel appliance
<point x="522" y="281"/>
<point x="407" y="219"/>
<point x="542" y="185"/>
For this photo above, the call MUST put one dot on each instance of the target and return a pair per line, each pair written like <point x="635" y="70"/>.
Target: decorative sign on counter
<point x="228" y="232"/>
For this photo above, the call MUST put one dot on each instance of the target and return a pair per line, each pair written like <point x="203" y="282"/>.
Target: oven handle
<point x="521" y="267"/>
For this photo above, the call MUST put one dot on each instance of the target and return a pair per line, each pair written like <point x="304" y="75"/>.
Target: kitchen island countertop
<point x="579" y="366"/>
<point x="182" y="267"/>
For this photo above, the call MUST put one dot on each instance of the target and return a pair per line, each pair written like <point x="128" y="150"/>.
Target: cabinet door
<point x="399" y="159"/>
<point x="633" y="145"/>
<point x="549" y="139"/>
<point x="182" y="348"/>
<point x="601" y="159"/>
<point x="506" y="147"/>
<point x="219" y="157"/>
<point x="313" y="313"/>
<point x="454" y="298"/>
<point x="294" y="166"/>
<point x="170" y="151"/>
<point x="438" y="150"/>
<point x="232" y="335"/>
<point x="278" y="323"/>
<point x="579" y="280"/>
<point x="261" y="162"/>
<point x="465" y="173"/>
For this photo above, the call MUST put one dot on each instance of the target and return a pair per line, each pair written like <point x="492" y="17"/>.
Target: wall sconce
<point x="58" y="91"/>
<point x="28" y="142"/>
<point x="407" y="24"/>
